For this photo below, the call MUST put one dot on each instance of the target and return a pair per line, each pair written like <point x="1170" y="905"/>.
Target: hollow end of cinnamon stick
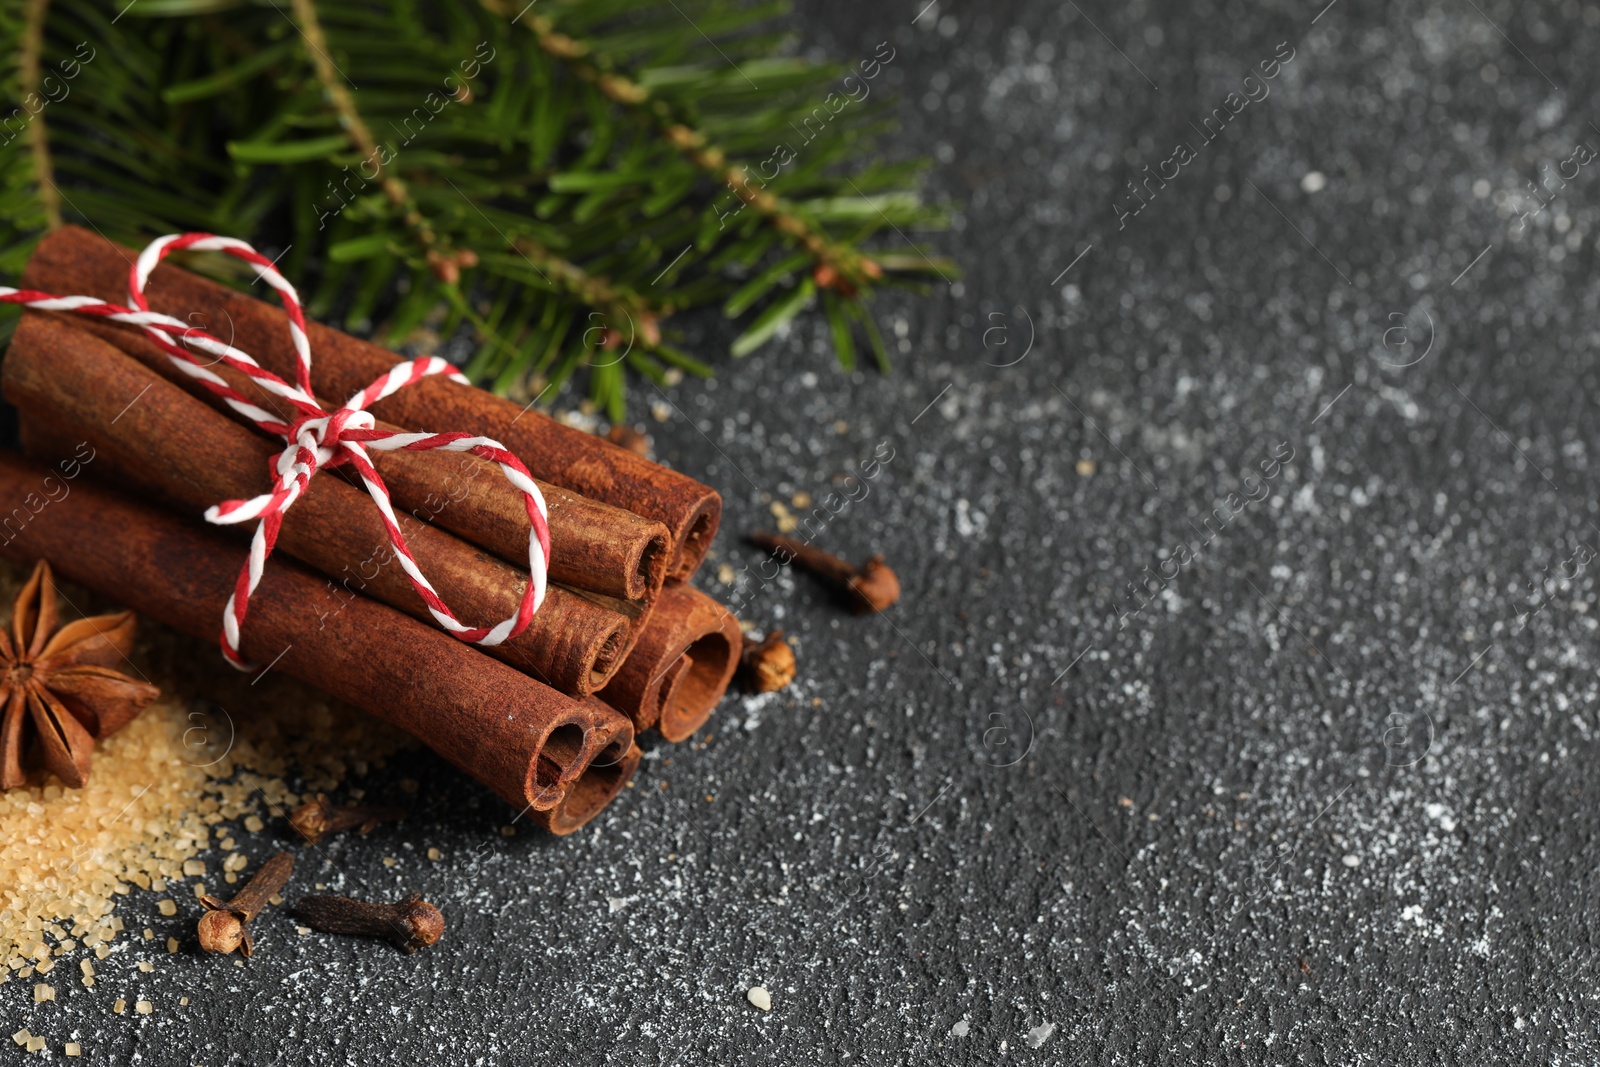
<point x="694" y="539"/>
<point x="607" y="657"/>
<point x="560" y="761"/>
<point x="649" y="569"/>
<point x="590" y="793"/>
<point x="710" y="660"/>
<point x="681" y="665"/>
<point x="665" y="693"/>
<point x="568" y="755"/>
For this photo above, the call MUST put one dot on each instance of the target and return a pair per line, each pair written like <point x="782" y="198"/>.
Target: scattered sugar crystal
<point x="119" y="1006"/>
<point x="144" y="1007"/>
<point x="72" y="1048"/>
<point x="145" y="834"/>
<point x="43" y="992"/>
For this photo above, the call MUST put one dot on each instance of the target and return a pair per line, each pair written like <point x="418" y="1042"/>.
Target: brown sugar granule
<point x="159" y="787"/>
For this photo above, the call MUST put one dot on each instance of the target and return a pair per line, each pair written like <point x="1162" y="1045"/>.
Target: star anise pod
<point x="62" y="682"/>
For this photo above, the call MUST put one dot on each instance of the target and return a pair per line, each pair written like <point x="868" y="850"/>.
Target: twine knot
<point x="318" y="440"/>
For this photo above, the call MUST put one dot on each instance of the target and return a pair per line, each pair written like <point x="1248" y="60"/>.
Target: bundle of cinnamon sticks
<point x="547" y="719"/>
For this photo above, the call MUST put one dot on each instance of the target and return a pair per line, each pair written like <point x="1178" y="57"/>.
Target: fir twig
<point x="310" y="27"/>
<point x="835" y="265"/>
<point x="554" y="194"/>
<point x="38" y="138"/>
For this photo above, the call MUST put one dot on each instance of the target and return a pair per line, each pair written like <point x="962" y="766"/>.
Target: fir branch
<point x="446" y="264"/>
<point x="836" y="266"/>
<point x="38" y="138"/>
<point x="555" y="162"/>
<point x="355" y="127"/>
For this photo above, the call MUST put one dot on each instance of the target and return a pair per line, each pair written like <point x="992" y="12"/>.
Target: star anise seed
<point x="63" y="683"/>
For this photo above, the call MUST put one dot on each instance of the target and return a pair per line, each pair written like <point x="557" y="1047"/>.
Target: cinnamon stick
<point x="596" y="547"/>
<point x="70" y="386"/>
<point x="681" y="665"/>
<point x="75" y="261"/>
<point x="605" y="777"/>
<point x="522" y="739"/>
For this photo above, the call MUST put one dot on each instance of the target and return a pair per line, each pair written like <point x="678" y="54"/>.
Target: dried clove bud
<point x="318" y="818"/>
<point x="410" y="923"/>
<point x="869" y="588"/>
<point x="767" y="666"/>
<point x="225" y="927"/>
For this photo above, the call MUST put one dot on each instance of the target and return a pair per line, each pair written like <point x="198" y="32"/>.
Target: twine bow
<point x="316" y="439"/>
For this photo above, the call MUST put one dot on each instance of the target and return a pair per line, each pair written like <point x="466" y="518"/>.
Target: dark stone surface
<point x="1321" y="800"/>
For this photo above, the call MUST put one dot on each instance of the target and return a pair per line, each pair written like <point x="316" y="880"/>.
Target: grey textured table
<point x="1166" y="756"/>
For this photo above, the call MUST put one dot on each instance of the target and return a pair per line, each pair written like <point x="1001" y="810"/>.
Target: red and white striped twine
<point x="317" y="439"/>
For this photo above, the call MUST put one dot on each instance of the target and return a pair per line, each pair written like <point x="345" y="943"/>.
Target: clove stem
<point x="410" y="923"/>
<point x="872" y="587"/>
<point x="318" y="818"/>
<point x="226" y="926"/>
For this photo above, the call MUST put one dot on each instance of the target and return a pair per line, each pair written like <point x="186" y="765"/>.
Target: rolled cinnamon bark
<point x="70" y="386"/>
<point x="594" y="547"/>
<point x="606" y="776"/>
<point x="75" y="261"/>
<point x="681" y="665"/>
<point x="610" y="761"/>
<point x="522" y="739"/>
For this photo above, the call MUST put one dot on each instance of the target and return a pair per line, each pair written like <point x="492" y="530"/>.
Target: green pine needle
<point x="559" y="185"/>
